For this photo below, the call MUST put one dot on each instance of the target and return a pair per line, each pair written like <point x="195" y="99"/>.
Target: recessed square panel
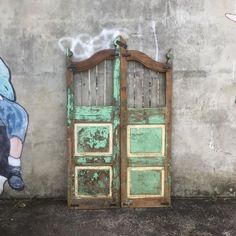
<point x="93" y="181"/>
<point x="145" y="182"/>
<point x="145" y="140"/>
<point x="93" y="139"/>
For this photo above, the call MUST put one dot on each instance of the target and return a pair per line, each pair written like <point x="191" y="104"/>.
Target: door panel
<point x="145" y="160"/>
<point x="93" y="133"/>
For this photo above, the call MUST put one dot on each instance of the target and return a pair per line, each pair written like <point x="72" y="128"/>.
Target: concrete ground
<point x="186" y="217"/>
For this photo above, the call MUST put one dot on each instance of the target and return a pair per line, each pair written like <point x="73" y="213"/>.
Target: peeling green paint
<point x="93" y="182"/>
<point x="108" y="159"/>
<point x="70" y="104"/>
<point x="116" y="81"/>
<point x="93" y="138"/>
<point x="92" y="113"/>
<point x="91" y="160"/>
<point x="146" y="116"/>
<point x="95" y="176"/>
<point x="116" y="120"/>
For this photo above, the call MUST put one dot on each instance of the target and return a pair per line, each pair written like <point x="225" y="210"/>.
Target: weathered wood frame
<point x="125" y="56"/>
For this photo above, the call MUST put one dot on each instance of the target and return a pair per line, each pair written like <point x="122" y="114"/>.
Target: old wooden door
<point x="119" y="129"/>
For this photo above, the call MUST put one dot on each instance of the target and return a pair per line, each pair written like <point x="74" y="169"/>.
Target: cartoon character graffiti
<point x="13" y="128"/>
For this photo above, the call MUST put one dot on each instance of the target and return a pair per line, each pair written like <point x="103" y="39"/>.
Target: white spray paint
<point x="83" y="46"/>
<point x="155" y="39"/>
<point x="2" y="182"/>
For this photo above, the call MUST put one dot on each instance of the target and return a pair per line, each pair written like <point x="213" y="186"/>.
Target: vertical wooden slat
<point x="78" y="89"/>
<point x="93" y="86"/>
<point x="138" y="80"/>
<point x="162" y="89"/>
<point x="146" y="89"/>
<point x="130" y="84"/>
<point x="154" y="84"/>
<point x="100" y="84"/>
<point x="109" y="83"/>
<point x="85" y="89"/>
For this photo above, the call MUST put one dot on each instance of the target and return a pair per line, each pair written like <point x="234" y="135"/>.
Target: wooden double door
<point x="119" y="130"/>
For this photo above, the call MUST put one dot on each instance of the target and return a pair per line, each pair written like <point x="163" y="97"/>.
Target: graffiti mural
<point x="231" y="16"/>
<point x="83" y="45"/>
<point x="13" y="128"/>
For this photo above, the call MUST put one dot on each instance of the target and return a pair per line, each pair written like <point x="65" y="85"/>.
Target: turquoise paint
<point x="70" y="101"/>
<point x="145" y="182"/>
<point x="95" y="176"/>
<point x="108" y="159"/>
<point x="116" y="74"/>
<point x="146" y="161"/>
<point x="145" y="140"/>
<point x="156" y="119"/>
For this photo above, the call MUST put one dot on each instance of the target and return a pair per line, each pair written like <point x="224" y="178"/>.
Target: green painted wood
<point x="93" y="182"/>
<point x="145" y="182"/>
<point x="92" y="139"/>
<point x="146" y="161"/>
<point x="93" y="113"/>
<point x="70" y="106"/>
<point x="146" y="140"/>
<point x="88" y="160"/>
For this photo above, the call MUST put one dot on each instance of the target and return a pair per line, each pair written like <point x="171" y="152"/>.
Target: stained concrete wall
<point x="204" y="109"/>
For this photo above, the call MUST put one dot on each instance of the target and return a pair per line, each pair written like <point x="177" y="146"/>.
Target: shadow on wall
<point x="13" y="128"/>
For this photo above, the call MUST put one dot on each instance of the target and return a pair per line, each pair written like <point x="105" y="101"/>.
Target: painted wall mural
<point x="13" y="128"/>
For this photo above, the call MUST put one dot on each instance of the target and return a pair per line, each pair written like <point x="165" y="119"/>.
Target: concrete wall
<point x="204" y="109"/>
